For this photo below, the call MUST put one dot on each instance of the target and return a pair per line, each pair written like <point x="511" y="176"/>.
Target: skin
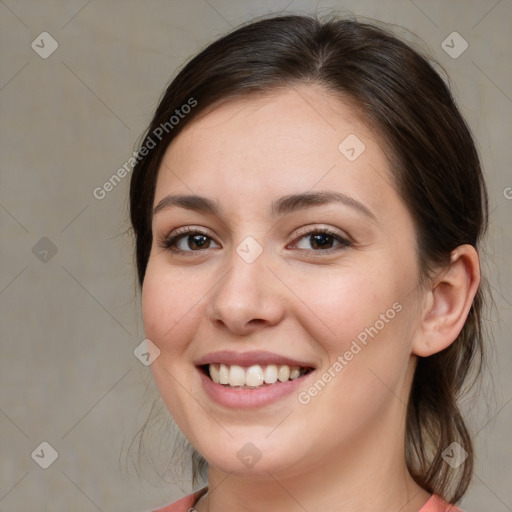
<point x="344" y="450"/>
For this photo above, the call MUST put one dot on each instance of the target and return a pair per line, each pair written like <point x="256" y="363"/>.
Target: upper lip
<point x="249" y="358"/>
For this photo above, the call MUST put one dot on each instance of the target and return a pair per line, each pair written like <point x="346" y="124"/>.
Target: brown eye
<point x="193" y="242"/>
<point x="189" y="241"/>
<point x="321" y="240"/>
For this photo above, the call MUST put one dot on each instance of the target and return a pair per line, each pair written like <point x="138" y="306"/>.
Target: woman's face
<point x="256" y="283"/>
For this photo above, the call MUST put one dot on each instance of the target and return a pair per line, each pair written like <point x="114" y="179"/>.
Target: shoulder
<point x="184" y="504"/>
<point x="437" y="504"/>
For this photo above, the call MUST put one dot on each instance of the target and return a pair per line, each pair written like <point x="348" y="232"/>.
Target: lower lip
<point x="250" y="398"/>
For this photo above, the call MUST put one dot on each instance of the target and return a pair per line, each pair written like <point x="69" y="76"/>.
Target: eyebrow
<point x="281" y="206"/>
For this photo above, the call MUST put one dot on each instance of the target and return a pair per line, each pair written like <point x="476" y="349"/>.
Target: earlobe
<point x="448" y="302"/>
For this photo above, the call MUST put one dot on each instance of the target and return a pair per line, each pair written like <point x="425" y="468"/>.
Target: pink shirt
<point x="186" y="504"/>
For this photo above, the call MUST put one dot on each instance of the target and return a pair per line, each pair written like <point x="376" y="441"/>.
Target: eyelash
<point x="168" y="242"/>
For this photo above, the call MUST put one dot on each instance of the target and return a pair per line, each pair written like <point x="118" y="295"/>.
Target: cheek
<point x="361" y="320"/>
<point x="156" y="313"/>
<point x="169" y="315"/>
<point x="167" y="307"/>
<point x="342" y="303"/>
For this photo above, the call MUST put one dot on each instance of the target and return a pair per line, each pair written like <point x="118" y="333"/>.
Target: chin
<point x="253" y="460"/>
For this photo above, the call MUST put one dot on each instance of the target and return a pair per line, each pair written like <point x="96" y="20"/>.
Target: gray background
<point x="70" y="320"/>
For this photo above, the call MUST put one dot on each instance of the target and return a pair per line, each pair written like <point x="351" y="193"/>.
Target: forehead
<point x="301" y="118"/>
<point x="287" y="142"/>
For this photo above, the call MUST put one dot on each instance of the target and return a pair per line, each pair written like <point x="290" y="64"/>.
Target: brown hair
<point x="432" y="155"/>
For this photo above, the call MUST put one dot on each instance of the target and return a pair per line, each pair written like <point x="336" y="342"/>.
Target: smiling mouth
<point x="253" y="377"/>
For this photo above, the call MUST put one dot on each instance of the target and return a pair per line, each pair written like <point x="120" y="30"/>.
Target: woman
<point x="308" y="205"/>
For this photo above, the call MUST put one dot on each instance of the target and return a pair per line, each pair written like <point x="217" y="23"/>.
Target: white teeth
<point x="214" y="373"/>
<point x="284" y="373"/>
<point x="254" y="376"/>
<point x="294" y="372"/>
<point x="223" y="374"/>
<point x="236" y="376"/>
<point x="270" y="374"/>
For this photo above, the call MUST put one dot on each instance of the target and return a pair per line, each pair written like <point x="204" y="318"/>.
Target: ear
<point x="447" y="302"/>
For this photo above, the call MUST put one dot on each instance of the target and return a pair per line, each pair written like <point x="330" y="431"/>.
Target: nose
<point x="247" y="298"/>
